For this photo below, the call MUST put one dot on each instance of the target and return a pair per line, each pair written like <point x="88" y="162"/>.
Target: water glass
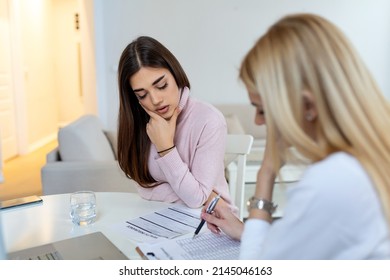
<point x="83" y="207"/>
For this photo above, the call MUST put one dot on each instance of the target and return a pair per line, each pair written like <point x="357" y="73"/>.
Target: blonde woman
<point x="314" y="94"/>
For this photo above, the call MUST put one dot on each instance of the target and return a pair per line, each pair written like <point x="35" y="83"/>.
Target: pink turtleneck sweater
<point x="195" y="168"/>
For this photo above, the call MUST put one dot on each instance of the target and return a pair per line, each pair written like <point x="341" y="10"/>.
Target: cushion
<point x="233" y="124"/>
<point x="84" y="140"/>
<point x="112" y="136"/>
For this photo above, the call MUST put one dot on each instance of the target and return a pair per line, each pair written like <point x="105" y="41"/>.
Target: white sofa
<point x="85" y="159"/>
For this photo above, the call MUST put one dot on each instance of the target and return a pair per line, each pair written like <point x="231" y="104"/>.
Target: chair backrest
<point x="238" y="147"/>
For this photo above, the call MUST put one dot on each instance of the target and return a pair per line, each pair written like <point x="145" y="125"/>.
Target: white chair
<point x="238" y="147"/>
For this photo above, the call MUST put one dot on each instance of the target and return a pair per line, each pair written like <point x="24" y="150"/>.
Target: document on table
<point x="205" y="246"/>
<point x="163" y="224"/>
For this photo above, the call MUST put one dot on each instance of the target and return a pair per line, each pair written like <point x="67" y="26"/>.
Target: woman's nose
<point x="155" y="97"/>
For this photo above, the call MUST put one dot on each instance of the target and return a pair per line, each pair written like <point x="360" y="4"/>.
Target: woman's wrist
<point x="165" y="151"/>
<point x="265" y="183"/>
<point x="264" y="189"/>
<point x="260" y="215"/>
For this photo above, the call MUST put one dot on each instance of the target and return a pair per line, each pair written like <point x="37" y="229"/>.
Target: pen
<point x="209" y="209"/>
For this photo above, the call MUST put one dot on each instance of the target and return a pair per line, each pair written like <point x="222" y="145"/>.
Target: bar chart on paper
<point x="164" y="224"/>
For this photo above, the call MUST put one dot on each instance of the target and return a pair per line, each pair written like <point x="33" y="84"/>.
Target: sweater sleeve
<point x="193" y="184"/>
<point x="252" y="239"/>
<point x="299" y="234"/>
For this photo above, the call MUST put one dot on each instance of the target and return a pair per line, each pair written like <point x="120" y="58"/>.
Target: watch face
<point x="254" y="203"/>
<point x="261" y="204"/>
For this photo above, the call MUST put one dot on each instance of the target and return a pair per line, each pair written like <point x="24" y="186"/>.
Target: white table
<point x="29" y="226"/>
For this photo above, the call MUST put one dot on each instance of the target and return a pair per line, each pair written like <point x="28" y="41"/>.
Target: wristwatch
<point x="262" y="204"/>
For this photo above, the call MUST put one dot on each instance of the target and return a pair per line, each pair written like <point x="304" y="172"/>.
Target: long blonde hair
<point x="306" y="52"/>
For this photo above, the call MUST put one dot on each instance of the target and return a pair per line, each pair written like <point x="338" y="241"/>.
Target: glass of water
<point x="83" y="207"/>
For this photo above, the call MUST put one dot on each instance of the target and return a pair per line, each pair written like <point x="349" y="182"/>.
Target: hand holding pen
<point x="209" y="210"/>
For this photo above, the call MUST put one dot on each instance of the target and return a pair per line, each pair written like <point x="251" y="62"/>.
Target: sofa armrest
<point x="53" y="155"/>
<point x="100" y="176"/>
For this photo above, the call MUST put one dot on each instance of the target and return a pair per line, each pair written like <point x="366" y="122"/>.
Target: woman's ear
<point x="309" y="106"/>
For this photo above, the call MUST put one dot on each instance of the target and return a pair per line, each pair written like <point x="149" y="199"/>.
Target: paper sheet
<point x="206" y="246"/>
<point x="164" y="224"/>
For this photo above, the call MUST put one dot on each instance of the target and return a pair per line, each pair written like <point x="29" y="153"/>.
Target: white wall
<point x="210" y="37"/>
<point x="46" y="72"/>
<point x="67" y="60"/>
<point x="39" y="79"/>
<point x="88" y="63"/>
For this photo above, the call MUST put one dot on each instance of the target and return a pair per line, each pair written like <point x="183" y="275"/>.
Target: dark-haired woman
<point x="169" y="143"/>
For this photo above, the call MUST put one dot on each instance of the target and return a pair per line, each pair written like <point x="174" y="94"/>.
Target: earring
<point x="309" y="117"/>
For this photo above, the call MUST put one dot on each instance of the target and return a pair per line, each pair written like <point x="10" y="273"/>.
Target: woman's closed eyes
<point x="162" y="87"/>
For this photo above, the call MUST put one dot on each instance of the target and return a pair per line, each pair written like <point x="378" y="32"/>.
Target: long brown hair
<point x="133" y="142"/>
